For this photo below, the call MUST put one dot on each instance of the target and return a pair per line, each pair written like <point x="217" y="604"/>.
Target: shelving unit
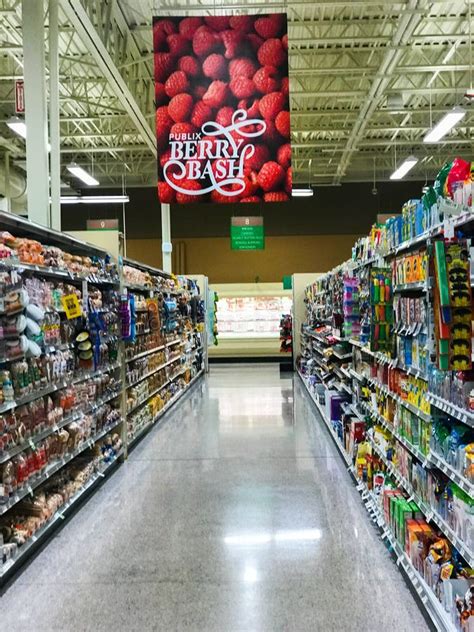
<point x="66" y="414"/>
<point x="387" y="405"/>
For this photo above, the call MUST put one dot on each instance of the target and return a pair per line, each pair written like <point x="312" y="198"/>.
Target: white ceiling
<point x="366" y="80"/>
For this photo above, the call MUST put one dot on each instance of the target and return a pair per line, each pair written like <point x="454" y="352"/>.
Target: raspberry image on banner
<point x="206" y="69"/>
<point x="180" y="107"/>
<point x="215" y="66"/>
<point x="270" y="175"/>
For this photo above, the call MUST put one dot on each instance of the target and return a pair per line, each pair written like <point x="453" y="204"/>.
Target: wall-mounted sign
<point x="19" y="96"/>
<point x="222" y="108"/>
<point x="102" y="224"/>
<point x="247" y="233"/>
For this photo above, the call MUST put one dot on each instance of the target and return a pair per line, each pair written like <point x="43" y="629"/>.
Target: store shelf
<point x="143" y="430"/>
<point x="52" y="468"/>
<point x="429" y="600"/>
<point x="421" y="286"/>
<point x="423" y="458"/>
<point x="55" y="273"/>
<point x="430" y="514"/>
<point x="145" y="353"/>
<point x="413" y="409"/>
<point x="460" y="414"/>
<point x="339" y="356"/>
<point x="159" y="368"/>
<point x="43" y="532"/>
<point x="452" y="473"/>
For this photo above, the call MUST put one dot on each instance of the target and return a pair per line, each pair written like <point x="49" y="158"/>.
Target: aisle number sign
<point x="71" y="306"/>
<point x="247" y="233"/>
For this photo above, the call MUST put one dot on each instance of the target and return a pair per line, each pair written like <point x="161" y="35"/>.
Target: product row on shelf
<point x="93" y="352"/>
<point x="386" y="355"/>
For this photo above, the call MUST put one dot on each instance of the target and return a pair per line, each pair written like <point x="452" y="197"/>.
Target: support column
<point x="36" y="112"/>
<point x="55" y="157"/>
<point x="166" y="245"/>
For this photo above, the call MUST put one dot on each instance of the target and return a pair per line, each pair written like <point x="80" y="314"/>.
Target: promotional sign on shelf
<point x="222" y="108"/>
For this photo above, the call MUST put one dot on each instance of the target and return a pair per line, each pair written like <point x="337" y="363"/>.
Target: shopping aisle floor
<point x="236" y="514"/>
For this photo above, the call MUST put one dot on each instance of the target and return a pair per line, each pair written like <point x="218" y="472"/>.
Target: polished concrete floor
<point x="236" y="514"/>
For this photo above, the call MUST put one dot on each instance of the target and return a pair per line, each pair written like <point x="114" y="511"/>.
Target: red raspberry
<point x="216" y="94"/>
<point x="284" y="41"/>
<point x="178" y="44"/>
<point x="275" y="196"/>
<point x="251" y="106"/>
<point x="271" y="135"/>
<point x="165" y="25"/>
<point x="220" y="198"/>
<point x="217" y="22"/>
<point x="159" y="40"/>
<point x="177" y="82"/>
<point x="271" y="104"/>
<point x="180" y="107"/>
<point x="284" y="155"/>
<point x="282" y="123"/>
<point x="166" y="194"/>
<point x="270" y="176"/>
<point x="164" y="63"/>
<point x="163" y="123"/>
<point x="224" y="116"/>
<point x="253" y="198"/>
<point x="243" y="23"/>
<point x="164" y="157"/>
<point x="202" y="113"/>
<point x="255" y="41"/>
<point x="189" y="26"/>
<point x="272" y="53"/>
<point x="160" y="94"/>
<point x="215" y="67"/>
<point x="205" y="41"/>
<point x="289" y="181"/>
<point x="199" y="91"/>
<point x="285" y="86"/>
<point x="189" y="185"/>
<point x="182" y="128"/>
<point x="251" y="185"/>
<point x="242" y="67"/>
<point x="242" y="88"/>
<point x="266" y="79"/>
<point x="189" y="65"/>
<point x="260" y="156"/>
<point x="234" y="43"/>
<point x="270" y="26"/>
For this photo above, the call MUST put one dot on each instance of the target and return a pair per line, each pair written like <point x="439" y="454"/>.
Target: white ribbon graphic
<point x="211" y="128"/>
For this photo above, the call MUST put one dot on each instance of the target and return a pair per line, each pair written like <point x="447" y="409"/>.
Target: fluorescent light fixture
<point x="17" y="125"/>
<point x="445" y="125"/>
<point x="304" y="192"/>
<point x="401" y="171"/>
<point x="79" y="172"/>
<point x="94" y="199"/>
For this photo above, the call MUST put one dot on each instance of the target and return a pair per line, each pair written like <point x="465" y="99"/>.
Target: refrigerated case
<point x="248" y="319"/>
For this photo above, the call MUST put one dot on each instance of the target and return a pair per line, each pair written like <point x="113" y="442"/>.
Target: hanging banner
<point x="222" y="108"/>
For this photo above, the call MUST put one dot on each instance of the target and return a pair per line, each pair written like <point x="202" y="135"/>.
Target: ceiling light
<point x="17" y="125"/>
<point x="94" y="199"/>
<point x="82" y="174"/>
<point x="446" y="124"/>
<point x="304" y="192"/>
<point x="404" y="168"/>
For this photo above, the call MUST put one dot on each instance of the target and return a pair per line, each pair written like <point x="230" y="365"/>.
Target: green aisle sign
<point x="247" y="233"/>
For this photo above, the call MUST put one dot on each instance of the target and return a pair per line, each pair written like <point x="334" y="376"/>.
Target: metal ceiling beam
<point x="405" y="30"/>
<point x="78" y="17"/>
